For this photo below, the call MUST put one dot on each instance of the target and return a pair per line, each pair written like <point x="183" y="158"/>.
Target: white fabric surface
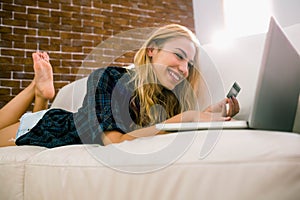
<point x="28" y="121"/>
<point x="245" y="164"/>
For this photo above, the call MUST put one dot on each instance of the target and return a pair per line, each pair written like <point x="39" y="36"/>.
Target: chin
<point x="169" y="87"/>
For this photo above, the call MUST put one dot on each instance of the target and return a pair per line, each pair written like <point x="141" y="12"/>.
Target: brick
<point x="38" y="25"/>
<point x="8" y="68"/>
<point x="72" y="8"/>
<point x="38" y="11"/>
<point x="26" y="3"/>
<point x="55" y="63"/>
<point x="65" y="14"/>
<point x="5" y="14"/>
<point x="46" y="47"/>
<point x="24" y="31"/>
<point x="6" y="43"/>
<point x="52" y="5"/>
<point x="82" y="2"/>
<point x="60" y="27"/>
<point x="37" y="39"/>
<point x="5" y="59"/>
<point x="79" y="56"/>
<point x="4" y="74"/>
<point x="12" y="52"/>
<point x="22" y="45"/>
<point x="24" y="16"/>
<point x="47" y="19"/>
<point x="5" y="29"/>
<point x="59" y="55"/>
<point x="71" y="63"/>
<point x="96" y="24"/>
<point x="80" y="43"/>
<point x="4" y="91"/>
<point x="71" y="49"/>
<point x="29" y="70"/>
<point x="15" y="8"/>
<point x="67" y="35"/>
<point x="23" y="60"/>
<point x="7" y="1"/>
<point x="73" y="22"/>
<point x="83" y="29"/>
<point x="49" y="33"/>
<point x="81" y="71"/>
<point x="12" y="37"/>
<point x="22" y="75"/>
<point x="11" y="22"/>
<point x="61" y="70"/>
<point x="11" y="83"/>
<point x="62" y="1"/>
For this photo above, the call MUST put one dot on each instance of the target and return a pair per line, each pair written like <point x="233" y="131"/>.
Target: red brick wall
<point x="69" y="30"/>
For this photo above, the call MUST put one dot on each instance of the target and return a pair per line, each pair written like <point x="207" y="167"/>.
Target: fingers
<point x="224" y="110"/>
<point x="228" y="107"/>
<point x="234" y="107"/>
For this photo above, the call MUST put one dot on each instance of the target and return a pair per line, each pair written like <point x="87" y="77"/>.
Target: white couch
<point x="225" y="164"/>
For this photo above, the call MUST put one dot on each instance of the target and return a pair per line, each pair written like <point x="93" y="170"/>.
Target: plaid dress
<point x="105" y="107"/>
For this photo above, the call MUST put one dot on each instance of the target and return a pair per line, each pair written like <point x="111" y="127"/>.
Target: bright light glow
<point x="242" y="18"/>
<point x="223" y="38"/>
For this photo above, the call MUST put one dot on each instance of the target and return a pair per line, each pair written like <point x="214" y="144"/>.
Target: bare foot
<point x="43" y="77"/>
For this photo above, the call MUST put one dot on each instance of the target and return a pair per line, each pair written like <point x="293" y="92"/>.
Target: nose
<point x="184" y="68"/>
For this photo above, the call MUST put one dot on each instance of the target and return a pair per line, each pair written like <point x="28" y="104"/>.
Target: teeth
<point x="174" y="75"/>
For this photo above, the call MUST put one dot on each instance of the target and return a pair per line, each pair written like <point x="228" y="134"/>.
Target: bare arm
<point x="188" y="116"/>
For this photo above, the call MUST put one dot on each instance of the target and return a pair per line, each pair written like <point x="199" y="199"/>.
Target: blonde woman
<point x="122" y="104"/>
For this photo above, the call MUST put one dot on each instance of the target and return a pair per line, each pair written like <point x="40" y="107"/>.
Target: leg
<point x="8" y="135"/>
<point x="14" y="109"/>
<point x="41" y="89"/>
<point x="44" y="90"/>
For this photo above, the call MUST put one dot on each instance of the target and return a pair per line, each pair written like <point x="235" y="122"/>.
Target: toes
<point x="35" y="57"/>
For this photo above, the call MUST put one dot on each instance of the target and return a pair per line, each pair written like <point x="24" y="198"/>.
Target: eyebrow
<point x="183" y="52"/>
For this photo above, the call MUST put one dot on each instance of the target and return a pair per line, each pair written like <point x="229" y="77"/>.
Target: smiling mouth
<point x="175" y="76"/>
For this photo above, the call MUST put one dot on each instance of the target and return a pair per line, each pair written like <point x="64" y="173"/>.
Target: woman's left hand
<point x="220" y="107"/>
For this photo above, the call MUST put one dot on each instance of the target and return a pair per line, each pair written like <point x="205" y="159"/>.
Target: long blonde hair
<point x="148" y="93"/>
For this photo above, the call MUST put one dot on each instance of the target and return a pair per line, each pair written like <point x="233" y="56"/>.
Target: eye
<point x="190" y="65"/>
<point x="179" y="56"/>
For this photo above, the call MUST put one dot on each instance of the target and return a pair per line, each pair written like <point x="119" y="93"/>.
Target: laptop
<point x="277" y="93"/>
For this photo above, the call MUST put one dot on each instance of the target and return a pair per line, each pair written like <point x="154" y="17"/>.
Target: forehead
<point x="181" y="44"/>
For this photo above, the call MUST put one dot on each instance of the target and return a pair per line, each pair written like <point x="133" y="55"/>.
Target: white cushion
<point x="70" y="97"/>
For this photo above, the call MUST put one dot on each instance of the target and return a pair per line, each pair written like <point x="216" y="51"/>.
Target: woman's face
<point x="171" y="63"/>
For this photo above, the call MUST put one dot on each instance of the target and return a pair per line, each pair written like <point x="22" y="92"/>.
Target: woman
<point x="120" y="104"/>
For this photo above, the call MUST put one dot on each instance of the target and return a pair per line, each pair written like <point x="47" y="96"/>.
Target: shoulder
<point x="111" y="71"/>
<point x="109" y="77"/>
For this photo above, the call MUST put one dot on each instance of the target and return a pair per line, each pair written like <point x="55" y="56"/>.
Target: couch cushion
<point x="262" y="164"/>
<point x="70" y="97"/>
<point x="12" y="170"/>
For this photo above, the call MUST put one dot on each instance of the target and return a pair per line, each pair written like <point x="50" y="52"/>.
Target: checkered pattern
<point x="105" y="108"/>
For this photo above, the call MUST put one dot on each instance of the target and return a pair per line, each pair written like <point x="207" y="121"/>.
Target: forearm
<point x="117" y="137"/>
<point x="188" y="116"/>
